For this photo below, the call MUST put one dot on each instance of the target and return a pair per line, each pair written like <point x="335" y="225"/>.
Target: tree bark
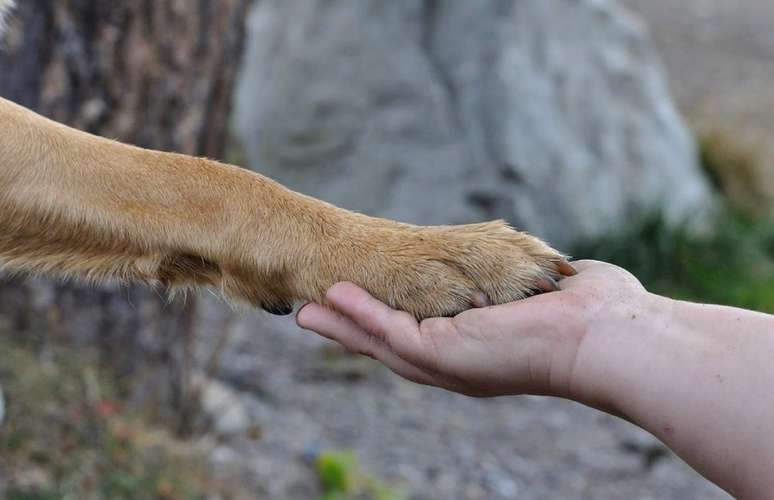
<point x="154" y="73"/>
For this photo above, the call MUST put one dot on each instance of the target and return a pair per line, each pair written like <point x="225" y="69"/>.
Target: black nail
<point x="279" y="309"/>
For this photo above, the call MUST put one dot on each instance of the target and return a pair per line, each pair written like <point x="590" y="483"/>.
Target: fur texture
<point x="81" y="206"/>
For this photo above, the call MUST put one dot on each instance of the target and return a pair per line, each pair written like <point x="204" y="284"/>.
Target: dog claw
<point x="547" y="285"/>
<point x="281" y="309"/>
<point x="566" y="269"/>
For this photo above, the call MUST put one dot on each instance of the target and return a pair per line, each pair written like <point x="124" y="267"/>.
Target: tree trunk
<point x="155" y="73"/>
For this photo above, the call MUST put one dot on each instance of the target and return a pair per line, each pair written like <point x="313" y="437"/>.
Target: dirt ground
<point x="719" y="56"/>
<point x="439" y="445"/>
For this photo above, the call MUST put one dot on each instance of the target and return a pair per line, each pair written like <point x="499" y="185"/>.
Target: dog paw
<point x="444" y="270"/>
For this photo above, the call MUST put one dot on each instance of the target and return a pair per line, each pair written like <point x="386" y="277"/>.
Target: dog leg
<point x="81" y="206"/>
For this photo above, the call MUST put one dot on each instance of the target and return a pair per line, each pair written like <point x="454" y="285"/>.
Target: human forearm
<point x="698" y="377"/>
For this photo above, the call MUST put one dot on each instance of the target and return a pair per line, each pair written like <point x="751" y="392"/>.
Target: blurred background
<point x="636" y="132"/>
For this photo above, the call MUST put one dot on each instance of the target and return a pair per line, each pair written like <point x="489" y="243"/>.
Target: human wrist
<point x="621" y="338"/>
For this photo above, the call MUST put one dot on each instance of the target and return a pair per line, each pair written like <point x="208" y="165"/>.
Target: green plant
<point x="342" y="479"/>
<point x="732" y="265"/>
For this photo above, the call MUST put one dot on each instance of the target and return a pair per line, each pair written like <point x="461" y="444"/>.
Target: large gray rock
<point x="552" y="114"/>
<point x="5" y="9"/>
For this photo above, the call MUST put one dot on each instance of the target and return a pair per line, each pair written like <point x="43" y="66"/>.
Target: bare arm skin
<point x="82" y="206"/>
<point x="699" y="377"/>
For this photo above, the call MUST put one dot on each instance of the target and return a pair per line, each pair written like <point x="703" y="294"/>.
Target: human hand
<point x="698" y="377"/>
<point x="526" y="347"/>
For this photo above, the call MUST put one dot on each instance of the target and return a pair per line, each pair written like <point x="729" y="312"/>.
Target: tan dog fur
<point x="77" y="205"/>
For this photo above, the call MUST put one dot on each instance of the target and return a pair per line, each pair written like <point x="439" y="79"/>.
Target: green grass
<point x="733" y="265"/>
<point x="342" y="478"/>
